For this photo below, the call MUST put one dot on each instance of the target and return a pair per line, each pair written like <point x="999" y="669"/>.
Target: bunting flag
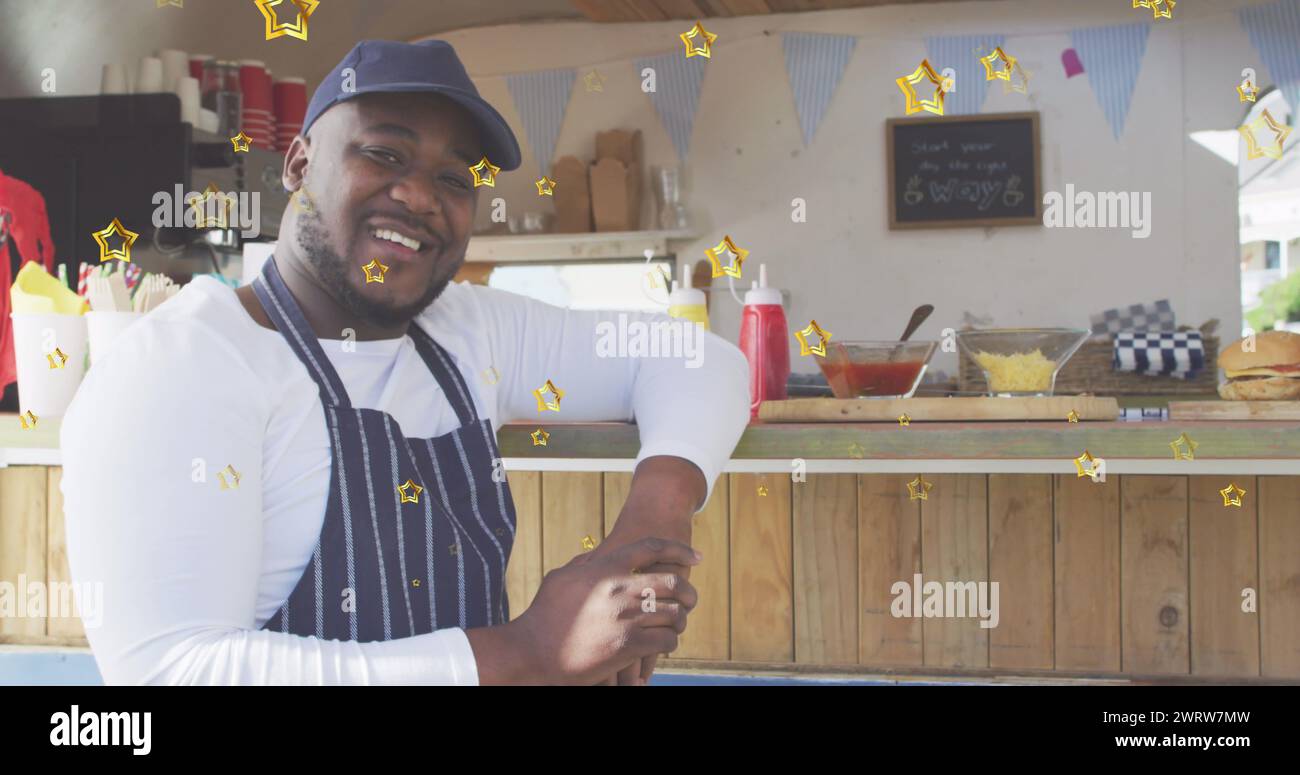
<point x="962" y="53"/>
<point x="1112" y="58"/>
<point x="1274" y="31"/>
<point x="814" y="63"/>
<point x="542" y="98"/>
<point x="676" y="94"/>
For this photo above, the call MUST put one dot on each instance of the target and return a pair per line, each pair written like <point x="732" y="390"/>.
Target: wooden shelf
<point x="525" y="248"/>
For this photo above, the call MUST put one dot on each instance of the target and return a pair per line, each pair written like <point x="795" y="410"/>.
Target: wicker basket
<point x="1091" y="371"/>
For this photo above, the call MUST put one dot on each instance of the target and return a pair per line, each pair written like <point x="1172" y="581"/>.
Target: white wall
<point x="844" y="267"/>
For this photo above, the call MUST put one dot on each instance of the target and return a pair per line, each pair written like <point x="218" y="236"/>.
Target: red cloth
<point x="23" y="208"/>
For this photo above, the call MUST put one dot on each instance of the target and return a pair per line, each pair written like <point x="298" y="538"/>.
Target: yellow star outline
<point x="1232" y="495"/>
<point x="904" y="420"/>
<point x="1010" y="86"/>
<point x="128" y="239"/>
<point x="540" y="437"/>
<point x="302" y="201"/>
<point x="587" y="543"/>
<point x="706" y="41"/>
<point x="594" y="81"/>
<point x="175" y="3"/>
<point x="545" y="186"/>
<point x="823" y="336"/>
<point x="729" y="247"/>
<point x="1008" y="64"/>
<point x="491" y="375"/>
<point x="409" y="492"/>
<point x="200" y="205"/>
<point x="918" y="489"/>
<point x="856" y="450"/>
<point x="241" y="142"/>
<point x="762" y="491"/>
<point x="371" y="268"/>
<point x="485" y="166"/>
<point x="24" y="419"/>
<point x="277" y="29"/>
<point x="1247" y="91"/>
<point x="59" y="356"/>
<point x="1085" y="464"/>
<point x="1177" y="446"/>
<point x="1155" y="5"/>
<point x="1280" y="133"/>
<point x="234" y="475"/>
<point x="924" y="72"/>
<point x="549" y="387"/>
<point x="1073" y="416"/>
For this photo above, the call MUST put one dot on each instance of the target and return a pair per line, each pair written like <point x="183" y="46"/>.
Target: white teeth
<point x="392" y="236"/>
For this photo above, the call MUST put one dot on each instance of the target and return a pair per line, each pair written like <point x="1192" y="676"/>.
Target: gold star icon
<point x="230" y="471"/>
<point x="59" y="356"/>
<point x="658" y="279"/>
<point x="543" y="405"/>
<point x="1086" y="465"/>
<point x="1273" y="150"/>
<point x="762" y="491"/>
<point x="1247" y="92"/>
<point x="1177" y="446"/>
<point x="1232" y="495"/>
<point x="241" y="142"/>
<point x="587" y="543"/>
<point x="539" y="437"/>
<point x="1073" y="416"/>
<point x="175" y="3"/>
<point x="736" y="257"/>
<point x="278" y="29"/>
<point x="485" y="173"/>
<point x="409" y="492"/>
<point x="1010" y="85"/>
<point x="907" y="84"/>
<point x="904" y="420"/>
<point x="545" y="187"/>
<point x="202" y="208"/>
<point x="27" y="420"/>
<point x="128" y="239"/>
<point x="918" y="489"/>
<point x="302" y="202"/>
<point x="998" y="55"/>
<point x="594" y="81"/>
<point x="491" y="375"/>
<point x="1161" y="9"/>
<point x="415" y="583"/>
<point x="371" y="268"/>
<point x="823" y="336"/>
<point x="856" y="450"/>
<point x="702" y="47"/>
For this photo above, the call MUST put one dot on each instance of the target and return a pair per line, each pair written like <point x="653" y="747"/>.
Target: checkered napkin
<point x="1178" y="354"/>
<point x="1137" y="317"/>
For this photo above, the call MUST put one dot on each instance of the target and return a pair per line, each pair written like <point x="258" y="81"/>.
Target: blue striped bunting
<point x="676" y="95"/>
<point x="542" y="98"/>
<point x="962" y="53"/>
<point x="814" y="63"/>
<point x="1274" y="31"/>
<point x="1112" y="58"/>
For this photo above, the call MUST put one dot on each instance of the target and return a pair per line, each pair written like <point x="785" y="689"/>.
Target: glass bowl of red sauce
<point x="875" y="369"/>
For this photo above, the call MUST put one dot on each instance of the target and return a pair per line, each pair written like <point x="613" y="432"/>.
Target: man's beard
<point x="332" y="271"/>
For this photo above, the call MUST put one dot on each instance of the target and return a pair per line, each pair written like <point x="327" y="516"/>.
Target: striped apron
<point x="389" y="562"/>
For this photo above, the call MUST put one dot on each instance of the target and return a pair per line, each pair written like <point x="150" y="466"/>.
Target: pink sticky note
<point x="1070" y="60"/>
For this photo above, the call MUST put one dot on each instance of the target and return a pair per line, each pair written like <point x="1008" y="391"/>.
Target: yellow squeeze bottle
<point x="686" y="302"/>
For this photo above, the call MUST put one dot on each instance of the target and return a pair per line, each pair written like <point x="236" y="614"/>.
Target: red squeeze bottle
<point x="764" y="339"/>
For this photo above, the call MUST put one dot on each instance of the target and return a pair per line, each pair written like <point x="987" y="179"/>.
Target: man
<point x="294" y="482"/>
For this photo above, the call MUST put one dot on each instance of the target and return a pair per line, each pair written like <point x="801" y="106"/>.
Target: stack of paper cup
<point x="290" y="108"/>
<point x="113" y="80"/>
<point x="175" y="65"/>
<point x="149" y="76"/>
<point x="103" y="327"/>
<point x="187" y="89"/>
<point x="258" y="117"/>
<point x="44" y="390"/>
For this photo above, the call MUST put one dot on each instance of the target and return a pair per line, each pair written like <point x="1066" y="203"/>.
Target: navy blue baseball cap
<point x="430" y="66"/>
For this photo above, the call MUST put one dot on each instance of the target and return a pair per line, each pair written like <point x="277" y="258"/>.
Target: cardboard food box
<point x="616" y="180"/>
<point x="572" y="196"/>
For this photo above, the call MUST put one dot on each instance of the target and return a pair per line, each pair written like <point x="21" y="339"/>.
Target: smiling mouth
<point x="399" y="239"/>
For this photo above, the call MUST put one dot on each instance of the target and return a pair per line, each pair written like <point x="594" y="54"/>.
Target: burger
<point x="1263" y="367"/>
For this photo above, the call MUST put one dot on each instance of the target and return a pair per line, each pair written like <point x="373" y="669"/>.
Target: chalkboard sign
<point x="964" y="171"/>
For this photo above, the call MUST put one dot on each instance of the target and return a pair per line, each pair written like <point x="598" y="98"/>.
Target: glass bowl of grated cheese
<point x="1021" y="361"/>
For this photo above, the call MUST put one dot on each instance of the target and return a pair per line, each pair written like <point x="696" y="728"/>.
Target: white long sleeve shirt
<point x="190" y="571"/>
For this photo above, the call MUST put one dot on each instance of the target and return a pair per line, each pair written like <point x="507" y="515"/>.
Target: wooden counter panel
<point x="1224" y="561"/>
<point x="826" y="569"/>
<point x="762" y="577"/>
<point x="1086" y="559"/>
<point x="1153" y="574"/>
<point x="572" y="508"/>
<point x="954" y="548"/>
<point x="1279" y="576"/>
<point x="889" y="550"/>
<point x="1020" y="561"/>
<point x="524" y="572"/>
<point x="708" y="634"/>
<point x="24" y="544"/>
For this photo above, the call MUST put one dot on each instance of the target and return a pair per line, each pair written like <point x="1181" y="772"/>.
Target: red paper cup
<point x="290" y="99"/>
<point x="256" y="85"/>
<point x="196" y="66"/>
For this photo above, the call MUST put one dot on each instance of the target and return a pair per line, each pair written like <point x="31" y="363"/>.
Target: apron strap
<point x="449" y="377"/>
<point x="284" y="312"/>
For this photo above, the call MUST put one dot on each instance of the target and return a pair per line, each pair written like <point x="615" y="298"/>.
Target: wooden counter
<point x="1140" y="576"/>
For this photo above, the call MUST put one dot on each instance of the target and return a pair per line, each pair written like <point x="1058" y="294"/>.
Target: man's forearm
<point x="666" y="492"/>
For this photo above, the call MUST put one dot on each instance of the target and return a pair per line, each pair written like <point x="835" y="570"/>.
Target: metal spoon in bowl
<point x="919" y="316"/>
